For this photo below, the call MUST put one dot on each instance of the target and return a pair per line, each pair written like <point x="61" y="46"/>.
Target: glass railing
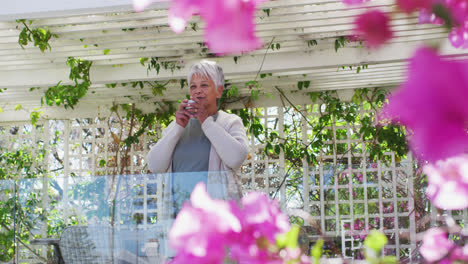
<point x="96" y="219"/>
<point x="127" y="218"/>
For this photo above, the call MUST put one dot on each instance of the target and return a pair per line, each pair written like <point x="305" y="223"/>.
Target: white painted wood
<point x="31" y="9"/>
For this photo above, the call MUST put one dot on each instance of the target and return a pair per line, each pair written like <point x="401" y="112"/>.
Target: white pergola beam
<point x="33" y="9"/>
<point x="124" y="51"/>
<point x="278" y="62"/>
<point x="323" y="11"/>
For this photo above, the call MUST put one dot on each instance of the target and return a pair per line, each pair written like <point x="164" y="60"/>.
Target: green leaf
<point x="102" y="163"/>
<point x="311" y="43"/>
<point x="277" y="149"/>
<point x="375" y="241"/>
<point x="254" y="94"/>
<point x="143" y="61"/>
<point x="106" y="51"/>
<point x="1" y="110"/>
<point x="18" y="107"/>
<point x="316" y="251"/>
<point x="34" y="116"/>
<point x="442" y="12"/>
<point x="389" y="260"/>
<point x="337" y="45"/>
<point x="289" y="239"/>
<point x="42" y="31"/>
<point x="299" y="85"/>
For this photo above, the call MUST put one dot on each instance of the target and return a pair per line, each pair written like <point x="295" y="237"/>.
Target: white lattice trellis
<point x="344" y="188"/>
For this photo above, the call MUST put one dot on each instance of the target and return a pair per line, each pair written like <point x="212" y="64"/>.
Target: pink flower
<point x="230" y="24"/>
<point x="459" y="37"/>
<point x="359" y="177"/>
<point x="432" y="105"/>
<point x="354" y="2"/>
<point x="203" y="229"/>
<point x="140" y="5"/>
<point x="294" y="256"/>
<point x="448" y="183"/>
<point x="427" y="17"/>
<point x="409" y="6"/>
<point x="388" y="209"/>
<point x="261" y="221"/>
<point x="373" y="26"/>
<point x="436" y="246"/>
<point x="458" y="10"/>
<point x="263" y="215"/>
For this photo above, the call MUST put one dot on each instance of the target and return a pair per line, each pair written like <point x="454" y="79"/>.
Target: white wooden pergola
<point x="114" y="38"/>
<point x="87" y="28"/>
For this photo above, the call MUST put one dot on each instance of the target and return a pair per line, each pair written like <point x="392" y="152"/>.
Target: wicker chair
<point x="86" y="245"/>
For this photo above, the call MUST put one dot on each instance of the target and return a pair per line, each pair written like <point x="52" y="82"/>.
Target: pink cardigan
<point x="229" y="148"/>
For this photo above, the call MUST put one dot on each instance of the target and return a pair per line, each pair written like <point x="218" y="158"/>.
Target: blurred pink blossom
<point x="388" y="209"/>
<point x="359" y="177"/>
<point x="203" y="228"/>
<point x="359" y="224"/>
<point x="432" y="105"/>
<point x="263" y="216"/>
<point x="140" y="5"/>
<point x="230" y="25"/>
<point x="261" y="220"/>
<point x="458" y="10"/>
<point x="459" y="36"/>
<point x="292" y="255"/>
<point x="426" y="16"/>
<point x="436" y="247"/>
<point x="410" y="6"/>
<point x="448" y="183"/>
<point x="374" y="27"/>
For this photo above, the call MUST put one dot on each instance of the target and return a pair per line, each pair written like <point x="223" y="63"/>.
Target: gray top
<point x="192" y="152"/>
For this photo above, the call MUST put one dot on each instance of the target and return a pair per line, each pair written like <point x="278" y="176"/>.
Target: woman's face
<point x="204" y="90"/>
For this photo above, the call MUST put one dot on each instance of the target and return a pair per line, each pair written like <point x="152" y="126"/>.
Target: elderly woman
<point x="202" y="139"/>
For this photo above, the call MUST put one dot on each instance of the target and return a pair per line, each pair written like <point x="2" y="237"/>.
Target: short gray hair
<point x="209" y="69"/>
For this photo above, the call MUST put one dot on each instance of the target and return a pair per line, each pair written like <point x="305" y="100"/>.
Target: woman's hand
<point x="183" y="115"/>
<point x="200" y="112"/>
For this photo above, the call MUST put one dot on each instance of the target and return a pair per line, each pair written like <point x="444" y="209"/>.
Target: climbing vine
<point x="329" y="111"/>
<point x="69" y="95"/>
<point x="39" y="36"/>
<point x="18" y="215"/>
